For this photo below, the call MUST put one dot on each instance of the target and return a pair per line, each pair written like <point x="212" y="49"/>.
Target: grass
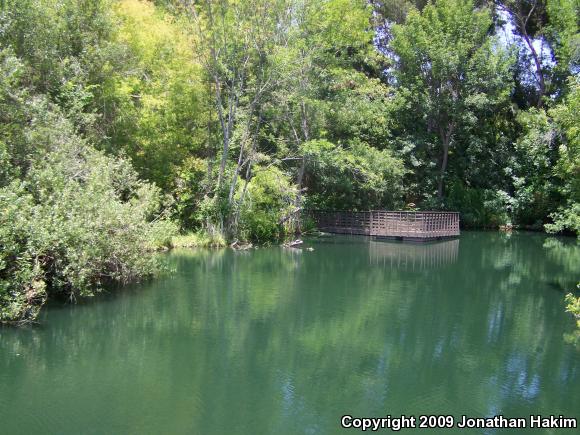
<point x="199" y="239"/>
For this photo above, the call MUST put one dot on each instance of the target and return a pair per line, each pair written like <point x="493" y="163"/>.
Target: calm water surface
<point x="282" y="341"/>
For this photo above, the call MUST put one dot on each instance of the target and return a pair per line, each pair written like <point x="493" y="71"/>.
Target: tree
<point x="529" y="17"/>
<point x="564" y="38"/>
<point x="449" y="70"/>
<point x="568" y="166"/>
<point x="153" y="106"/>
<point x="73" y="221"/>
<point x="352" y="177"/>
<point x="324" y="67"/>
<point x="64" y="45"/>
<point x="235" y="42"/>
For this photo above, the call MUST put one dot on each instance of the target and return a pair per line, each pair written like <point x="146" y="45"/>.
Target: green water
<point x="281" y="341"/>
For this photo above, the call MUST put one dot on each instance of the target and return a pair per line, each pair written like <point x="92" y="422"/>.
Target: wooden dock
<point x="403" y="225"/>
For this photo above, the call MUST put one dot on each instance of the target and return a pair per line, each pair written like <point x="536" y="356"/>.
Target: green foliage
<point x="199" y="239"/>
<point x="76" y="221"/>
<point x="454" y="76"/>
<point x="71" y="218"/>
<point x="63" y="45"/>
<point x="155" y="102"/>
<point x="359" y="109"/>
<point x="565" y="219"/>
<point x="338" y="25"/>
<point x="573" y="307"/>
<point x="357" y="177"/>
<point x="563" y="34"/>
<point x="568" y="166"/>
<point x="190" y="187"/>
<point x="534" y="193"/>
<point x="266" y="213"/>
<point x="479" y="208"/>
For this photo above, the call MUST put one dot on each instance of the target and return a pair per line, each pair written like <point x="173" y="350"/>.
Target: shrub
<point x="479" y="207"/>
<point x="76" y="220"/>
<point x="199" y="239"/>
<point x="190" y="187"/>
<point x="357" y="177"/>
<point x="266" y="210"/>
<point x="567" y="217"/>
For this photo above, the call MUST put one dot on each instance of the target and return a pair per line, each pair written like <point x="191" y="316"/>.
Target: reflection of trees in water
<point x="414" y="256"/>
<point x="566" y="253"/>
<point x="295" y="338"/>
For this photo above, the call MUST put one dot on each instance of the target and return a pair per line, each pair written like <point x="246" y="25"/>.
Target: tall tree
<point x="449" y="69"/>
<point x="568" y="168"/>
<point x="235" y="41"/>
<point x="326" y="39"/>
<point x="563" y="35"/>
<point x="529" y="17"/>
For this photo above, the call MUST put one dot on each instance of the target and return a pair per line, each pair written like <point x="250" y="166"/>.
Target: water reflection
<point x="414" y="256"/>
<point x="284" y="341"/>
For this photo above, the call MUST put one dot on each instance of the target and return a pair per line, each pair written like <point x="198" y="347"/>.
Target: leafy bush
<point x="568" y="167"/>
<point x="357" y="177"/>
<point x="266" y="211"/>
<point x="76" y="220"/>
<point x="189" y="192"/>
<point x="534" y="192"/>
<point x="566" y="219"/>
<point x="573" y="305"/>
<point x="478" y="207"/>
<point x="199" y="239"/>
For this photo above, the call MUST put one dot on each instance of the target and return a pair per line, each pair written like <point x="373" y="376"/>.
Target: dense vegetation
<point x="125" y="121"/>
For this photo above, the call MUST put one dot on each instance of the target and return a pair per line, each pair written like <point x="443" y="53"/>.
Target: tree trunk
<point x="227" y="127"/>
<point x="302" y="169"/>
<point x="539" y="72"/>
<point x="306" y="136"/>
<point x="239" y="164"/>
<point x="522" y="19"/>
<point x="445" y="140"/>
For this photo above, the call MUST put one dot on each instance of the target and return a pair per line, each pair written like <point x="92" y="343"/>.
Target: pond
<point x="286" y="341"/>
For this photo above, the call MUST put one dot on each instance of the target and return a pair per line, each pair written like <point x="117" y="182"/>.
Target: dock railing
<point x="399" y="224"/>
